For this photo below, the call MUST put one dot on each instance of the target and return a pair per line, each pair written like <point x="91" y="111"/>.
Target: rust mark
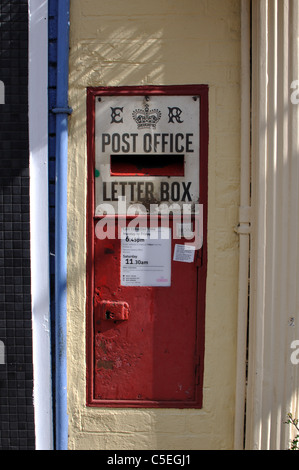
<point x="108" y="365"/>
<point x="102" y="345"/>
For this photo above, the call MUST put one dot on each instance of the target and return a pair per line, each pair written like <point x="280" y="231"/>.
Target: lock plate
<point x="114" y="311"/>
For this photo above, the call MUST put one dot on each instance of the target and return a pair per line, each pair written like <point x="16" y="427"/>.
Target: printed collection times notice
<point x="146" y="257"/>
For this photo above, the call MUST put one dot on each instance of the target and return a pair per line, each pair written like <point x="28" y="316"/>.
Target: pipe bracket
<point x="243" y="229"/>
<point x="64" y="110"/>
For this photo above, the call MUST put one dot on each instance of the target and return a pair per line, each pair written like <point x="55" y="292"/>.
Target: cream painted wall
<point x="162" y="42"/>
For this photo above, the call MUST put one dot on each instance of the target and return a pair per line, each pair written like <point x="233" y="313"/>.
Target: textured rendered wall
<point x="162" y="42"/>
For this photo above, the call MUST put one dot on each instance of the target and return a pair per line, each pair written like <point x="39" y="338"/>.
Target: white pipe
<point x="38" y="142"/>
<point x="255" y="381"/>
<point x="244" y="227"/>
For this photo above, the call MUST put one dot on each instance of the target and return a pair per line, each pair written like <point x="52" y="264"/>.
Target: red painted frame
<point x="202" y="92"/>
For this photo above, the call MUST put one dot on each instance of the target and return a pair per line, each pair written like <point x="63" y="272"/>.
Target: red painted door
<point x="153" y="354"/>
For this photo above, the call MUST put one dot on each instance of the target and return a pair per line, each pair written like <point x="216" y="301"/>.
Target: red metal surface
<point x="154" y="357"/>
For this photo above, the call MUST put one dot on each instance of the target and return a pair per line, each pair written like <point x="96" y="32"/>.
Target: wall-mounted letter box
<point x="146" y="245"/>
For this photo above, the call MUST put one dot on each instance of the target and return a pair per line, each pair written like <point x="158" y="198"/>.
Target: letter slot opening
<point x="147" y="165"/>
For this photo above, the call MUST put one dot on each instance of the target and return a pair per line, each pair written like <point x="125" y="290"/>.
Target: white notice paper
<point x="146" y="256"/>
<point x="184" y="253"/>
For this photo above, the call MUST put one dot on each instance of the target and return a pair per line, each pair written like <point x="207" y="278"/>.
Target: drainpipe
<point x="243" y="228"/>
<point x="62" y="111"/>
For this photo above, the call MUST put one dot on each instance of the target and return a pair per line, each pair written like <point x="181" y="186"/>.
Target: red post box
<point x="147" y="245"/>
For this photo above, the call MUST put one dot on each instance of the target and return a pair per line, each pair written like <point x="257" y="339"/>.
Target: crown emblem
<point x="146" y="118"/>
